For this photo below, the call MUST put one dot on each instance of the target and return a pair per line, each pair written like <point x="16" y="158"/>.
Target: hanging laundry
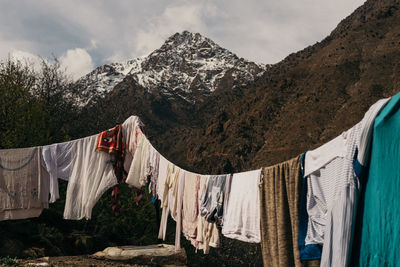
<point x="332" y="194"/>
<point x="159" y="193"/>
<point x="57" y="159"/>
<point x="133" y="137"/>
<point x="92" y="175"/>
<point x="170" y="198"/>
<point x="110" y="141"/>
<point x="89" y="174"/>
<point x="377" y="230"/>
<point x="279" y="207"/>
<point x="152" y="180"/>
<point x="195" y="228"/>
<point x="207" y="232"/>
<point x="365" y="140"/>
<point x="153" y="167"/>
<point x="138" y="171"/>
<point x="227" y="191"/>
<point x="162" y="176"/>
<point x="212" y="204"/>
<point x="24" y="184"/>
<point x="242" y="218"/>
<point x="179" y="201"/>
<point x="191" y="207"/>
<point x="131" y="132"/>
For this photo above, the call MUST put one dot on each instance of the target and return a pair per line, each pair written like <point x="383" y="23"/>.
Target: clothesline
<point x="322" y="184"/>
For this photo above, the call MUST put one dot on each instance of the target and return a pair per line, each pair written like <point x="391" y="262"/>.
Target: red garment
<point x="110" y="141"/>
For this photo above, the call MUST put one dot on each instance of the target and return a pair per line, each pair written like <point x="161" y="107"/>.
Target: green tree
<point x="36" y="107"/>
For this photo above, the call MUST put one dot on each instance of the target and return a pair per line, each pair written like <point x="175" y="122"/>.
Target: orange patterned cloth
<point x="110" y="141"/>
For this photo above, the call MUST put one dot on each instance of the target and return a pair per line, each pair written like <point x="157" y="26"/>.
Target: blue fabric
<point x="379" y="243"/>
<point x="360" y="170"/>
<point x="312" y="251"/>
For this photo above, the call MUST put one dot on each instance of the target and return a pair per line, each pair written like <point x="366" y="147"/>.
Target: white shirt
<point x="242" y="218"/>
<point x="92" y="175"/>
<point x="57" y="159"/>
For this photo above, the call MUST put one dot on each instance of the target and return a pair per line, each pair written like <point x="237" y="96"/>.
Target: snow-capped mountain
<point x="187" y="65"/>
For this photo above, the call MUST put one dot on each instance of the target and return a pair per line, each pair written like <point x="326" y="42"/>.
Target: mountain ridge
<point x="188" y="65"/>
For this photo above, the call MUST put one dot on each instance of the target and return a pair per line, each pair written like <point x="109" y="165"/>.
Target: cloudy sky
<point x="86" y="34"/>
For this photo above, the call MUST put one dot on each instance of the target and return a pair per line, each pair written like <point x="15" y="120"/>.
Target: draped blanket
<point x="279" y="202"/>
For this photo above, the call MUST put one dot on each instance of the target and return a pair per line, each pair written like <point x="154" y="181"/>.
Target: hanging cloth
<point x="170" y="198"/>
<point x="279" y="211"/>
<point x="91" y="176"/>
<point x="377" y="237"/>
<point x="24" y="184"/>
<point x="138" y="171"/>
<point x="212" y="202"/>
<point x="57" y="159"/>
<point x="110" y="141"/>
<point x="207" y="232"/>
<point x="190" y="210"/>
<point x="332" y="192"/>
<point x="153" y="167"/>
<point x="242" y="218"/>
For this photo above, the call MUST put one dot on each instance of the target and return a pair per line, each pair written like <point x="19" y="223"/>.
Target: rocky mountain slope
<point x="187" y="66"/>
<point x="305" y="100"/>
<point x="299" y="103"/>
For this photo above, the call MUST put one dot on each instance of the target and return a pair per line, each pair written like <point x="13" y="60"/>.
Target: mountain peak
<point x="188" y="66"/>
<point x="185" y="37"/>
<point x="188" y="44"/>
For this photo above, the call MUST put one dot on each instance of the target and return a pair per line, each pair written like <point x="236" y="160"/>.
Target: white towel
<point x="242" y="218"/>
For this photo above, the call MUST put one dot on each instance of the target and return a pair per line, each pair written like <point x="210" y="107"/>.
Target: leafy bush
<point x="7" y="261"/>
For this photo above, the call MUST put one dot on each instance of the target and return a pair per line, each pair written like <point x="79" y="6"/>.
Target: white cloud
<point x="93" y="44"/>
<point x="27" y="58"/>
<point x="175" y="18"/>
<point x="77" y="62"/>
<point x="268" y="31"/>
<point x="259" y="30"/>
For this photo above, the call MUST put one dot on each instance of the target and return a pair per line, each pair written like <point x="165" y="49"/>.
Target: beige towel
<point x="190" y="209"/>
<point x="279" y="202"/>
<point x="24" y="185"/>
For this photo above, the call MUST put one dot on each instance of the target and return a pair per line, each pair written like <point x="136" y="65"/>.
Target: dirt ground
<point x="83" y="260"/>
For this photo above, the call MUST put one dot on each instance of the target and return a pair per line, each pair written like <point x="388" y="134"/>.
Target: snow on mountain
<point x="103" y="79"/>
<point x="187" y="65"/>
